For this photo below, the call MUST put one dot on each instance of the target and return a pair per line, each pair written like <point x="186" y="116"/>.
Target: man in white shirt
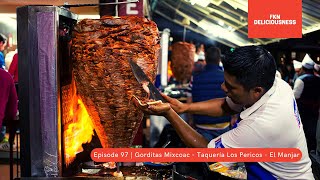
<point x="306" y="68"/>
<point x="297" y="65"/>
<point x="306" y="91"/>
<point x="268" y="114"/>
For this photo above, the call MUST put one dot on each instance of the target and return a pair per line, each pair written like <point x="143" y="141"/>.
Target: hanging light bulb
<point x="186" y="22"/>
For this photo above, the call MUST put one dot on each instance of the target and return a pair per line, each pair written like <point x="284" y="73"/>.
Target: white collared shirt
<point x="272" y="122"/>
<point x="298" y="88"/>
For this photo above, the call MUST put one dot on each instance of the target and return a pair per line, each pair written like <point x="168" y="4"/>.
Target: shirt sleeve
<point x="298" y="88"/>
<point x="242" y="136"/>
<point x="12" y="105"/>
<point x="13" y="65"/>
<point x="2" y="62"/>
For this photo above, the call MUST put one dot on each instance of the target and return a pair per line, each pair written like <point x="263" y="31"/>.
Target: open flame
<point x="80" y="129"/>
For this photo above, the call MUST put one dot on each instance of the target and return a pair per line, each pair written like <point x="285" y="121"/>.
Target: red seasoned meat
<point x="182" y="61"/>
<point x="104" y="80"/>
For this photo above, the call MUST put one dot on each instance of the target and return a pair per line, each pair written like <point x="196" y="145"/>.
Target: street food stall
<point x="58" y="109"/>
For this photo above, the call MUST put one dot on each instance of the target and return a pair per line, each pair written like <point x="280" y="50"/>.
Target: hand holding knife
<point x="143" y="79"/>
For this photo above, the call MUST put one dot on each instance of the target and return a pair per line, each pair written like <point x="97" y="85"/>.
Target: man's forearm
<point x="213" y="107"/>
<point x="188" y="135"/>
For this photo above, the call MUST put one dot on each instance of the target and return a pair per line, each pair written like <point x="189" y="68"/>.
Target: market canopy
<point x="225" y="21"/>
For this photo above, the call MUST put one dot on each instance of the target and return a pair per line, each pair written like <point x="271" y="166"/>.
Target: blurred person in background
<point x="297" y="65"/>
<point x="199" y="52"/>
<point x="306" y="91"/>
<point x="13" y="70"/>
<point x="199" y="59"/>
<point x="317" y="73"/>
<point x="290" y="74"/>
<point x="282" y="69"/>
<point x="199" y="65"/>
<point x="206" y="84"/>
<point x="3" y="44"/>
<point x="9" y="57"/>
<point x="8" y="104"/>
<point x="316" y="69"/>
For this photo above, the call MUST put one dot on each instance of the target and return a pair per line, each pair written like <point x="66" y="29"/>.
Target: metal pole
<point x="184" y="33"/>
<point x="100" y="4"/>
<point x="18" y="150"/>
<point x="117" y="13"/>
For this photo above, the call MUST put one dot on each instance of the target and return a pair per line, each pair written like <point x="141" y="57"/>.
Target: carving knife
<point x="142" y="78"/>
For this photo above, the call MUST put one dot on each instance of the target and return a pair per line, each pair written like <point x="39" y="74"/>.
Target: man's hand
<point x="153" y="108"/>
<point x="188" y="135"/>
<point x="176" y="105"/>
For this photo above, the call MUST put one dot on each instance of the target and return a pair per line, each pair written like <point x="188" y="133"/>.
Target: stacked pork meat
<point x="182" y="61"/>
<point x="104" y="79"/>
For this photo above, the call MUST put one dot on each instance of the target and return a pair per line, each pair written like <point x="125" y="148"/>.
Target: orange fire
<point x="79" y="130"/>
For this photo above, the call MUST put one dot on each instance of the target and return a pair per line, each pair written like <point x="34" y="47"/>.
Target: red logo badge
<point x="275" y="19"/>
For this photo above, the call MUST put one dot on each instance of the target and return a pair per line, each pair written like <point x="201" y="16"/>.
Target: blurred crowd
<point x="8" y="89"/>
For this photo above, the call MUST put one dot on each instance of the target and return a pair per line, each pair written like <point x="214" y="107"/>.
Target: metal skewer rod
<point x="117" y="13"/>
<point x="184" y="33"/>
<point x="100" y="4"/>
<point x="118" y="167"/>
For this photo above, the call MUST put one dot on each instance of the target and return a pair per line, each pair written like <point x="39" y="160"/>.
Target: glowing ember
<point x="79" y="131"/>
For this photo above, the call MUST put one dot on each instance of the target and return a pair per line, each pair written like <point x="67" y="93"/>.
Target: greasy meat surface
<point x="104" y="80"/>
<point x="182" y="61"/>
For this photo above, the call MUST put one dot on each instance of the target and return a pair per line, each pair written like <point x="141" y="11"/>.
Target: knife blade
<point x="143" y="78"/>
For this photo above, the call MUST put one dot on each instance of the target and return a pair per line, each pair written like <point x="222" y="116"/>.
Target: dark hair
<point x="213" y="55"/>
<point x="3" y="38"/>
<point x="252" y="66"/>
